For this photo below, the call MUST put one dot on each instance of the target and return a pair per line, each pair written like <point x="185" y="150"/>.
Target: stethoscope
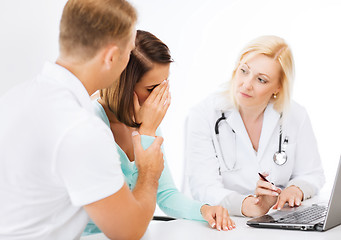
<point x="231" y="165"/>
<point x="280" y="157"/>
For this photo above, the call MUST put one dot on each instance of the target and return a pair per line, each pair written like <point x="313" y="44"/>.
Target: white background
<point x="205" y="37"/>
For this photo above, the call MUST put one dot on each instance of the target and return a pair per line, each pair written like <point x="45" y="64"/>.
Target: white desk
<point x="185" y="229"/>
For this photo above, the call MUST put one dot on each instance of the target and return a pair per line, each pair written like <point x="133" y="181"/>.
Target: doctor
<point x="253" y="127"/>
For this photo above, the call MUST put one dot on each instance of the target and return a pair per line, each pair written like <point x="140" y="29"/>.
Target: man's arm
<point x="126" y="214"/>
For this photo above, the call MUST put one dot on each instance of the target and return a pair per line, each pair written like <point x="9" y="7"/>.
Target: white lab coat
<point x="222" y="169"/>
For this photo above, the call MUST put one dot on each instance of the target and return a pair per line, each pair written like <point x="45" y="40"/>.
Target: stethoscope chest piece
<point x="280" y="158"/>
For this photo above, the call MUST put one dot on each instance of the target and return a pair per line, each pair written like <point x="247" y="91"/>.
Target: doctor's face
<point x="256" y="80"/>
<point x="151" y="80"/>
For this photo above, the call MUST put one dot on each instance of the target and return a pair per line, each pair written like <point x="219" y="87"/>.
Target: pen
<point x="266" y="180"/>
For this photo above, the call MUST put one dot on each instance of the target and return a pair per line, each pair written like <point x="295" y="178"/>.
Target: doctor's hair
<point x="120" y="96"/>
<point x="86" y="26"/>
<point x="277" y="49"/>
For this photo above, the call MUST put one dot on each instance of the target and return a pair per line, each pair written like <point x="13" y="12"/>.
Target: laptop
<point x="317" y="217"/>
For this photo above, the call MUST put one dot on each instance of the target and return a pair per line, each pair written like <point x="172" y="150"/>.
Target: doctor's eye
<point x="243" y="71"/>
<point x="261" y="80"/>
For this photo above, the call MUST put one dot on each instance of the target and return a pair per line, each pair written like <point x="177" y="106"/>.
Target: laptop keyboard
<point x="306" y="215"/>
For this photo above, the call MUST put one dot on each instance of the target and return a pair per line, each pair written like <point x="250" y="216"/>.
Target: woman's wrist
<point x="146" y="131"/>
<point x="202" y="208"/>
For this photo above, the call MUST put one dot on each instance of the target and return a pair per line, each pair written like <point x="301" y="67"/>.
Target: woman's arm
<point x="176" y="204"/>
<point x="169" y="199"/>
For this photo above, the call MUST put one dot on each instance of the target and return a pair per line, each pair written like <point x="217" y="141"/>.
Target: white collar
<point x="270" y="121"/>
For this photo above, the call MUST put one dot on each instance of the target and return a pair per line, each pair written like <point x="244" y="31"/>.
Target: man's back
<point x="38" y="120"/>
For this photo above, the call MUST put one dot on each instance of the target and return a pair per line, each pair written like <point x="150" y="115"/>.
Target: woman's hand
<point x="292" y="195"/>
<point x="217" y="217"/>
<point x="252" y="206"/>
<point x="266" y="195"/>
<point x="152" y="111"/>
<point x="267" y="192"/>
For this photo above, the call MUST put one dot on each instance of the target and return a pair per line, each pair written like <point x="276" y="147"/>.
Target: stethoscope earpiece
<point x="216" y="127"/>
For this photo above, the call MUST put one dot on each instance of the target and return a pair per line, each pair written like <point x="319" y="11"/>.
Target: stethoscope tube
<point x="280" y="157"/>
<point x="216" y="127"/>
<point x="223" y="165"/>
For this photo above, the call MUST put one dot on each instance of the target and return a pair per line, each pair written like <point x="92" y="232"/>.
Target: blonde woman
<point x="253" y="128"/>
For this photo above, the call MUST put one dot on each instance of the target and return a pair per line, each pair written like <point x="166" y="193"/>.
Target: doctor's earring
<point x="275" y="95"/>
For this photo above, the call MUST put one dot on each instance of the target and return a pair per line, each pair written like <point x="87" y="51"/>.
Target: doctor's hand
<point x="217" y="217"/>
<point x="253" y="206"/>
<point x="267" y="192"/>
<point x="292" y="195"/>
<point x="152" y="111"/>
<point x="266" y="195"/>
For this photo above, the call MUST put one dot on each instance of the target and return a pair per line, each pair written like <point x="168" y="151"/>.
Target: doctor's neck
<point x="252" y="113"/>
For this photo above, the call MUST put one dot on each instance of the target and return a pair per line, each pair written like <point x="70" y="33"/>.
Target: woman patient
<point x="139" y="101"/>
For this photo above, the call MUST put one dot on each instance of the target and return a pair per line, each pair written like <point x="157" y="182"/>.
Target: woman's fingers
<point x="298" y="201"/>
<point x="228" y="223"/>
<point x="291" y="201"/>
<point x="208" y="215"/>
<point x="218" y="217"/>
<point x="157" y="92"/>
<point x="267" y="192"/>
<point x="166" y="103"/>
<point x="266" y="188"/>
<point x="164" y="87"/>
<point x="280" y="203"/>
<point x="266" y="185"/>
<point x="291" y="195"/>
<point x="225" y="223"/>
<point x="232" y="223"/>
<point x="165" y="95"/>
<point x="152" y="96"/>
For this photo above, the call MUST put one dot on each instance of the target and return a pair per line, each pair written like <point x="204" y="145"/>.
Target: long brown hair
<point x="119" y="97"/>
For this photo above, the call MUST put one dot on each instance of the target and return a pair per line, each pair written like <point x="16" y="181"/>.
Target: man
<point x="58" y="163"/>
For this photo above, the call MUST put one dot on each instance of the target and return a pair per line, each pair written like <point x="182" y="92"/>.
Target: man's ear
<point x="111" y="56"/>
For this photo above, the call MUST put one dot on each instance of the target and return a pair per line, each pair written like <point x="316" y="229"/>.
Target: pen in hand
<point x="274" y="188"/>
<point x="266" y="180"/>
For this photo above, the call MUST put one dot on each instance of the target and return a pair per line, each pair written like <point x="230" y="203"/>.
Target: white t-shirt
<point x="55" y="157"/>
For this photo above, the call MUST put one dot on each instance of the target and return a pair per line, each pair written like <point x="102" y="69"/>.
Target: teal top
<point x="170" y="200"/>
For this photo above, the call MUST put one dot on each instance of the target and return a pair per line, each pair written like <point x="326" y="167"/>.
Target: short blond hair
<point x="88" y="25"/>
<point x="277" y="49"/>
